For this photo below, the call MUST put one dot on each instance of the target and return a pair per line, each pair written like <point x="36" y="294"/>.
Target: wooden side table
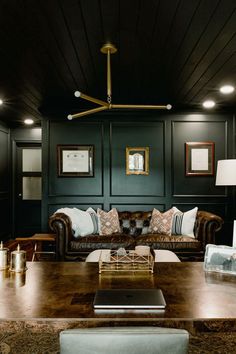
<point x="38" y="240"/>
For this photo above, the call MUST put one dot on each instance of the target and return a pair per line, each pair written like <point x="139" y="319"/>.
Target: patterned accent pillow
<point x="135" y="227"/>
<point x="161" y="223"/>
<point x="108" y="222"/>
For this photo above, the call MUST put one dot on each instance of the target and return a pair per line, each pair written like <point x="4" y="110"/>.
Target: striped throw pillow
<point x="183" y="223"/>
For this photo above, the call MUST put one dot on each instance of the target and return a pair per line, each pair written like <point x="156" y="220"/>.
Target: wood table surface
<point x="51" y="297"/>
<point x="57" y="290"/>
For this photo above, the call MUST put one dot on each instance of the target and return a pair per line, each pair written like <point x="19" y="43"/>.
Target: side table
<point x="38" y="240"/>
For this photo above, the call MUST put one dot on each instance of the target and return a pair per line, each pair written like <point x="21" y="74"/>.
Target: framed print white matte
<point x="199" y="158"/>
<point x="75" y="160"/>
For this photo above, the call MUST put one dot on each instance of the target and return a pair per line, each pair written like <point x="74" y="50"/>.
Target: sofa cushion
<point x="134" y="227"/>
<point x="134" y="223"/>
<point x="82" y="222"/>
<point x="94" y="218"/>
<point x="93" y="242"/>
<point x="173" y="242"/>
<point x="183" y="223"/>
<point x="161" y="222"/>
<point x="108" y="222"/>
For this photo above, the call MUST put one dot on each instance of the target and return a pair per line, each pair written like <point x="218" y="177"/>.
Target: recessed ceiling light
<point x="227" y="89"/>
<point x="28" y="121"/>
<point x="1" y="101"/>
<point x="208" y="104"/>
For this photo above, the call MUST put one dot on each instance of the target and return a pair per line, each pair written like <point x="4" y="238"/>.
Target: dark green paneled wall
<point x="166" y="184"/>
<point x="5" y="196"/>
<point x="137" y="135"/>
<point x="84" y="134"/>
<point x="209" y="130"/>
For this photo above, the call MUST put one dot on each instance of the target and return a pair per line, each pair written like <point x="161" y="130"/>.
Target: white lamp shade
<point x="226" y="173"/>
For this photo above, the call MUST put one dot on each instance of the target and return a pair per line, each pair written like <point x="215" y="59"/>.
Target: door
<point x="28" y="189"/>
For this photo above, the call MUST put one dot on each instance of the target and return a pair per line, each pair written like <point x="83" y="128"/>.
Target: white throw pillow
<point x="81" y="220"/>
<point x="94" y="218"/>
<point x="183" y="223"/>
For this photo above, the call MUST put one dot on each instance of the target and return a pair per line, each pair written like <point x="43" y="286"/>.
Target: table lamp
<point x="226" y="176"/>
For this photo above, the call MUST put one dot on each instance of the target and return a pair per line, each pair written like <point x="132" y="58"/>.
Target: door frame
<point x="15" y="142"/>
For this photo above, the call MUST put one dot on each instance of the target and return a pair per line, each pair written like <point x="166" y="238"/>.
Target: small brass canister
<point x="3" y="257"/>
<point x="18" y="260"/>
<point x="17" y="279"/>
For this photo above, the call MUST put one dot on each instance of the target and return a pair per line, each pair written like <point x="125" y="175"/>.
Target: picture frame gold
<point x="75" y="160"/>
<point x="199" y="158"/>
<point x="137" y="161"/>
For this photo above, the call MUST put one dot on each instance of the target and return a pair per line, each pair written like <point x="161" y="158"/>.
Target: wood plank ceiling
<point x="169" y="51"/>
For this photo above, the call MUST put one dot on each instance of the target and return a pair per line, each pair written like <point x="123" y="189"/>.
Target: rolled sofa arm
<point x="60" y="224"/>
<point x="207" y="224"/>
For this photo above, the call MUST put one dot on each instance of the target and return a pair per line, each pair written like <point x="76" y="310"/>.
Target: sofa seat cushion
<point x="93" y="242"/>
<point x="173" y="242"/>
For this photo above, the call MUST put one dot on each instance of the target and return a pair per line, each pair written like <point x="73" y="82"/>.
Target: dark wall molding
<point x="139" y="134"/>
<point x="5" y="182"/>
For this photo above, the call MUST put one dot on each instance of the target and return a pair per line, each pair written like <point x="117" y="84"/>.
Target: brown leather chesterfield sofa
<point x="69" y="248"/>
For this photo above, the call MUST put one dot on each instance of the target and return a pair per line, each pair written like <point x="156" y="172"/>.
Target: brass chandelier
<point x="109" y="49"/>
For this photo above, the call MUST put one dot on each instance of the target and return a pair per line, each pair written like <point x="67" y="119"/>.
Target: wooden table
<point x="52" y="296"/>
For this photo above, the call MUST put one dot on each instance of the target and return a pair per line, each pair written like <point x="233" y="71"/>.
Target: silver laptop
<point x="129" y="299"/>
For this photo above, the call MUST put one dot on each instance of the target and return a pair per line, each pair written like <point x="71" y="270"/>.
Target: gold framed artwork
<point x="75" y="160"/>
<point x="137" y="160"/>
<point x="199" y="158"/>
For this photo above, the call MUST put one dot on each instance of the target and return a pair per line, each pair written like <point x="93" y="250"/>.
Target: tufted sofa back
<point x="134" y="223"/>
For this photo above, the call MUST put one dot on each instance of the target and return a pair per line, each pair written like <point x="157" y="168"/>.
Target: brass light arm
<point x="141" y="106"/>
<point x="109" y="49"/>
<point x="90" y="98"/>
<point x="85" y="113"/>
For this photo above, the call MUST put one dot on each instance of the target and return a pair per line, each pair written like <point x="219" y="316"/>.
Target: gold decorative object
<point x="18" y="260"/>
<point x="17" y="279"/>
<point x="4" y="275"/>
<point x="128" y="261"/>
<point x="3" y="257"/>
<point x="137" y="161"/>
<point x="109" y="49"/>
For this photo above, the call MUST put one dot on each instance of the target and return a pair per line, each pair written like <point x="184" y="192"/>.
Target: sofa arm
<point x="60" y="224"/>
<point x="207" y="224"/>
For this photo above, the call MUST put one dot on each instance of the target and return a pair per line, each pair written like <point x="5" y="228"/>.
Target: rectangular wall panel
<point x="196" y="131"/>
<point x="216" y="208"/>
<point x="146" y="134"/>
<point x="137" y="207"/>
<point x="70" y="133"/>
<point x="5" y="217"/>
<point x="5" y="180"/>
<point x="53" y="208"/>
<point x="4" y="161"/>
